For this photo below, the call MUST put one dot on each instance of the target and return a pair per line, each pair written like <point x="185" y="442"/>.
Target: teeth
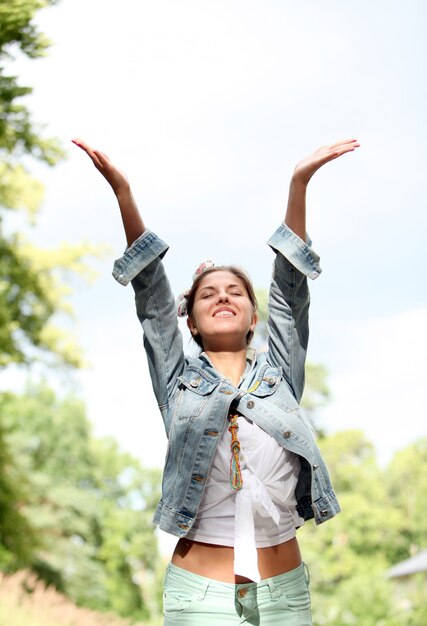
<point x="224" y="314"/>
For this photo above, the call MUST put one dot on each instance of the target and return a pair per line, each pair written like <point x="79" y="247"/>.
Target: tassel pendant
<point x="236" y="478"/>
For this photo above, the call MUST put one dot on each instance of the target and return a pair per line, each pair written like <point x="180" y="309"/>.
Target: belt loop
<point x="274" y="591"/>
<point x="307" y="574"/>
<point x="203" y="590"/>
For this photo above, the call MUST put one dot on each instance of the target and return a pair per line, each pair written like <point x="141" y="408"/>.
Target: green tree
<point x="90" y="503"/>
<point x="406" y="483"/>
<point x="17" y="537"/>
<point x="19" y="135"/>
<point x="32" y="281"/>
<point x="378" y="526"/>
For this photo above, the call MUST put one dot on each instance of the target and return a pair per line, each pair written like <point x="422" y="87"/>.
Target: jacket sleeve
<point x="288" y="305"/>
<point x="156" y="310"/>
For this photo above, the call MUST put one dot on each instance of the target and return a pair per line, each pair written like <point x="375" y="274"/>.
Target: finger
<point x="346" y="148"/>
<point x="336" y="150"/>
<point x="82" y="144"/>
<point x="89" y="151"/>
<point x="102" y="157"/>
<point x="343" y="142"/>
<point x="332" y="152"/>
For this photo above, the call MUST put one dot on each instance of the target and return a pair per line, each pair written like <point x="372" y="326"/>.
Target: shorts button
<point x="242" y="592"/>
<point x="250" y="404"/>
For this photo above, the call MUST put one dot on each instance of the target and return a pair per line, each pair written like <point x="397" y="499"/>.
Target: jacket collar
<point x="251" y="357"/>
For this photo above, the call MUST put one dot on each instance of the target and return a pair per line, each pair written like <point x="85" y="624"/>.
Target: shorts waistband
<point x="178" y="575"/>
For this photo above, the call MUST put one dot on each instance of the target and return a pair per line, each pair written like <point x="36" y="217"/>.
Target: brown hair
<point x="239" y="273"/>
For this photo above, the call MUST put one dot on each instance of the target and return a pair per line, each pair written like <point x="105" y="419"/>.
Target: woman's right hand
<point x="115" y="177"/>
<point x="132" y="220"/>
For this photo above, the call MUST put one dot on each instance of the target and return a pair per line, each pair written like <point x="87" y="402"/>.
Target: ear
<point x="191" y="326"/>
<point x="253" y="322"/>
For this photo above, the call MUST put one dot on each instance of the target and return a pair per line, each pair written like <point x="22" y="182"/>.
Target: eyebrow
<point x="231" y="286"/>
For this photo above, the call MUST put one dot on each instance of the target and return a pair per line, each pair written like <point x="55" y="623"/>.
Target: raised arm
<point x="142" y="265"/>
<point x="304" y="170"/>
<point x="295" y="260"/>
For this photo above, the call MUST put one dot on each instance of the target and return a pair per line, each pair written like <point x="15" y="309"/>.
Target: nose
<point x="222" y="296"/>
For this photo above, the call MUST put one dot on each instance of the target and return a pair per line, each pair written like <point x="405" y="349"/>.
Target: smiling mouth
<point x="224" y="313"/>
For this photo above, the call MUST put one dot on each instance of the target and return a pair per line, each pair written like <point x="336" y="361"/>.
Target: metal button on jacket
<point x="250" y="404"/>
<point x="287" y="434"/>
<point x="194" y="383"/>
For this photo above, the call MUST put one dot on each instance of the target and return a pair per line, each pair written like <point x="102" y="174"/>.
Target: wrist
<point x="122" y="190"/>
<point x="298" y="182"/>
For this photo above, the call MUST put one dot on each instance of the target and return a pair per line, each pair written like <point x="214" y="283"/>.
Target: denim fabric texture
<point x="189" y="599"/>
<point x="194" y="399"/>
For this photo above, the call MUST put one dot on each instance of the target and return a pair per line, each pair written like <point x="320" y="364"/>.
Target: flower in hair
<point x="204" y="265"/>
<point x="181" y="303"/>
<point x="182" y="299"/>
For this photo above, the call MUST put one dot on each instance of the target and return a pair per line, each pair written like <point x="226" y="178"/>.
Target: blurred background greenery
<point x="76" y="541"/>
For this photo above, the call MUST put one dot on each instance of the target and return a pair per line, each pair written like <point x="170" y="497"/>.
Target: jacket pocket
<point x="195" y="389"/>
<point x="273" y="386"/>
<point x="267" y="383"/>
<point x="197" y="381"/>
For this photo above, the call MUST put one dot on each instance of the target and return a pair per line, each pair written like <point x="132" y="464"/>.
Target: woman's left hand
<point x="305" y="169"/>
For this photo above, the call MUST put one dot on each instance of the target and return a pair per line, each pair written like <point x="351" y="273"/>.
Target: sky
<point x="208" y="105"/>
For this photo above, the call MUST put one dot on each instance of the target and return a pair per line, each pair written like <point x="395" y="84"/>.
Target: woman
<point x="242" y="470"/>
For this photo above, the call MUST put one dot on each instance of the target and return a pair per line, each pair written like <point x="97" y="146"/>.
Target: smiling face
<point x="222" y="314"/>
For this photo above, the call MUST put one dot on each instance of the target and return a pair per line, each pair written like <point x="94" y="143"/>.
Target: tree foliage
<point x="32" y="285"/>
<point x="74" y="509"/>
<point x="17" y="536"/>
<point x="19" y="135"/>
<point x="33" y="282"/>
<point x="379" y="526"/>
<point x="89" y="505"/>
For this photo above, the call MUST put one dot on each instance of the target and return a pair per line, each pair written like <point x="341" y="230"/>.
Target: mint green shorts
<point x="190" y="599"/>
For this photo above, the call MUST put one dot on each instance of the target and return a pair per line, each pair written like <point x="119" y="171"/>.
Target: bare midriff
<point x="217" y="562"/>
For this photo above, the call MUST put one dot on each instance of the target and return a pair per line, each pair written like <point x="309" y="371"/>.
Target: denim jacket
<point x="195" y="399"/>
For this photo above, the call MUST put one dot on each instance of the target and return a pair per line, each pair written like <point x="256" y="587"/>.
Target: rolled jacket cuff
<point x="138" y="256"/>
<point x="297" y="251"/>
